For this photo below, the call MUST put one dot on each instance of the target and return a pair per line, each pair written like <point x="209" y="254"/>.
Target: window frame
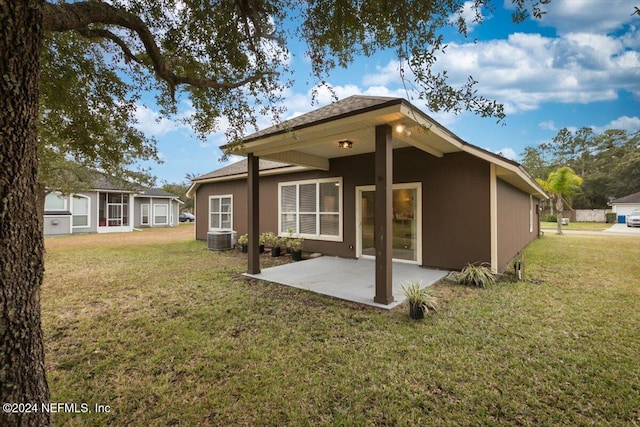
<point x="142" y="214"/>
<point x="166" y="216"/>
<point x="74" y="215"/>
<point x="318" y="213"/>
<point x="220" y="212"/>
<point x="59" y="195"/>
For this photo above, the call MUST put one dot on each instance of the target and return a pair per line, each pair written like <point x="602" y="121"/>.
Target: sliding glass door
<point x="405" y="223"/>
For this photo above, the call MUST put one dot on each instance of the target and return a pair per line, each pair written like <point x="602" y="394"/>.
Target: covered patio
<point x="347" y="279"/>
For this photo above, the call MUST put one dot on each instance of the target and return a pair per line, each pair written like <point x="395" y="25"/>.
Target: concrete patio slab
<point x="347" y="279"/>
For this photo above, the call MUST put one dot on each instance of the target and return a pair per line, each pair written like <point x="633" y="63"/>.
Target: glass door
<point x="405" y="221"/>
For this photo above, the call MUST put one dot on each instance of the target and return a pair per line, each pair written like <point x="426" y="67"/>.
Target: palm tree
<point x="564" y="183"/>
<point x="545" y="186"/>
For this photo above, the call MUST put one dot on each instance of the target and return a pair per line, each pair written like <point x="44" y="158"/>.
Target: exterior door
<point x="407" y="233"/>
<point x="144" y="214"/>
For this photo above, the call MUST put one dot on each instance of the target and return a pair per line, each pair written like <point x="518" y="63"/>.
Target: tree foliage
<point x="608" y="162"/>
<point x="564" y="184"/>
<point x="79" y="68"/>
<point x="226" y="60"/>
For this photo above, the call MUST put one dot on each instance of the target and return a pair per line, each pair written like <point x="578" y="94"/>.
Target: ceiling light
<point x="400" y="128"/>
<point x="345" y="144"/>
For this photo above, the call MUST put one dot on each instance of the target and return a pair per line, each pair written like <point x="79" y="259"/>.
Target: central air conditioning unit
<point x="219" y="240"/>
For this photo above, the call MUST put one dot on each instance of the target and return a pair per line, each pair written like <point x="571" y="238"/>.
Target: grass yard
<point x="582" y="226"/>
<point x="169" y="334"/>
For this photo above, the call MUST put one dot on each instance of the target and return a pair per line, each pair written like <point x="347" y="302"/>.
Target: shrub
<point x="269" y="238"/>
<point x="550" y="218"/>
<point x="479" y="276"/>
<point x="611" y="217"/>
<point x="243" y="240"/>
<point x="420" y="299"/>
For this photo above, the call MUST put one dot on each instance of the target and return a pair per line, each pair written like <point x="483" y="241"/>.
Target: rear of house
<point x="450" y="203"/>
<point x="109" y="210"/>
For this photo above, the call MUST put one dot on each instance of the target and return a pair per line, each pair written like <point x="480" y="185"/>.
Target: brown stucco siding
<point x="455" y="204"/>
<point x="514" y="209"/>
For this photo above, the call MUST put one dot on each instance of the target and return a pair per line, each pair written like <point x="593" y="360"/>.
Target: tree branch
<point x="106" y="34"/>
<point x="80" y="16"/>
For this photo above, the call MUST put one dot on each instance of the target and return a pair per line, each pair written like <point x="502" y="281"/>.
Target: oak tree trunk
<point x="22" y="371"/>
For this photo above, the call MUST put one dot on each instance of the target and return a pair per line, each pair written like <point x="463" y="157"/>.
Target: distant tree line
<point x="609" y="163"/>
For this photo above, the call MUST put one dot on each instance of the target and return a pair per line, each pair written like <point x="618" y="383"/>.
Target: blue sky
<point x="577" y="67"/>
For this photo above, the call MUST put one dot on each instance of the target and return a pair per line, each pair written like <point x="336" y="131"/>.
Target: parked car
<point x="633" y="219"/>
<point x="187" y="217"/>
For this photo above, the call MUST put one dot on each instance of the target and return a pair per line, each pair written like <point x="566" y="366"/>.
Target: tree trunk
<point x="22" y="371"/>
<point x="560" y="208"/>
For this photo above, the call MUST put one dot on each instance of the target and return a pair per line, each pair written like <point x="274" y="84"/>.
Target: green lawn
<point x="583" y="226"/>
<point x="169" y="334"/>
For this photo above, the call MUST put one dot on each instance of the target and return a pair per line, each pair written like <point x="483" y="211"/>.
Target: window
<point x="221" y="212"/>
<point x="311" y="209"/>
<point x="144" y="214"/>
<point x="113" y="210"/>
<point x="55" y="202"/>
<point x="160" y="214"/>
<point x="80" y="210"/>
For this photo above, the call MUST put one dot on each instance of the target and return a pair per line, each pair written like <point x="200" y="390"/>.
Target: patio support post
<point x="383" y="215"/>
<point x="253" y="198"/>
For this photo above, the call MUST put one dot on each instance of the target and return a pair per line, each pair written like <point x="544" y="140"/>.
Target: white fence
<point x="591" y="215"/>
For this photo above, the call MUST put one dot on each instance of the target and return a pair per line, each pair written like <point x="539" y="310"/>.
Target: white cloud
<point x="151" y="123"/>
<point x="468" y="14"/>
<point x="548" y="125"/>
<point x="596" y="15"/>
<point x="508" y="152"/>
<point x="527" y="70"/>
<point x="630" y="124"/>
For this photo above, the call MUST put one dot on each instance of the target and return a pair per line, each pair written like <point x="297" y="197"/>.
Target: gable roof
<point x="239" y="168"/>
<point x="355" y="104"/>
<point x="310" y="140"/>
<point x="102" y="182"/>
<point x="156" y="192"/>
<point x="631" y="198"/>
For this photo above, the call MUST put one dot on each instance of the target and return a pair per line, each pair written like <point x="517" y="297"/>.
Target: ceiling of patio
<point x="312" y="146"/>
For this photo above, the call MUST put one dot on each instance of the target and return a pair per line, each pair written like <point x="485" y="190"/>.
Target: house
<point x="625" y="205"/>
<point x="373" y="177"/>
<point x="107" y="208"/>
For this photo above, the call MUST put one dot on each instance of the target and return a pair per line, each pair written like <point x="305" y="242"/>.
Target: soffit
<point x="322" y="140"/>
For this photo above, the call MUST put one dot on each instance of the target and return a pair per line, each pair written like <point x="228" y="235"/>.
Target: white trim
<point x="65" y="204"/>
<point x="115" y="228"/>
<point x="400" y="186"/>
<point x="166" y="206"/>
<point x="530" y="213"/>
<point x="142" y="206"/>
<point x="195" y="210"/>
<point x="88" y="200"/>
<point x="318" y="236"/>
<point x="493" y="207"/>
<point x="276" y="171"/>
<point x="220" y="197"/>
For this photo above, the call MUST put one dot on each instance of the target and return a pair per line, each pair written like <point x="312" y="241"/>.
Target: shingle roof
<point x="155" y="192"/>
<point x="240" y="168"/>
<point x="103" y="182"/>
<point x="631" y="198"/>
<point x="345" y="107"/>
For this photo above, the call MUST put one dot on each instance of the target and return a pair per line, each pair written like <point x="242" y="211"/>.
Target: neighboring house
<point x="108" y="209"/>
<point x="374" y="177"/>
<point x="625" y="205"/>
